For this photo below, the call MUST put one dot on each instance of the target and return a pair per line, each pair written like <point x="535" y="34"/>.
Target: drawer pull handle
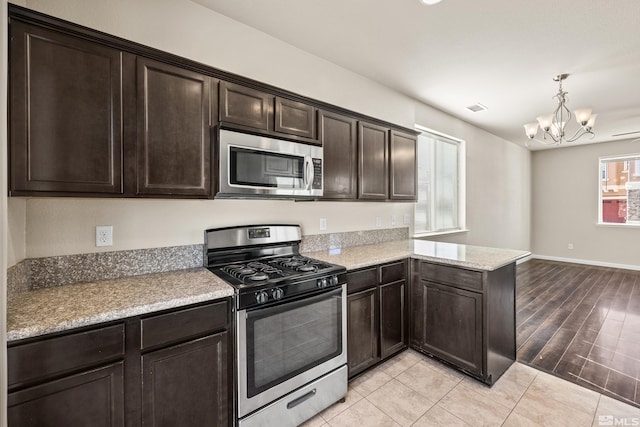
<point x="299" y="400"/>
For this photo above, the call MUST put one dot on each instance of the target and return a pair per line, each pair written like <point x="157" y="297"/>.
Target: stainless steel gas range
<point x="290" y="323"/>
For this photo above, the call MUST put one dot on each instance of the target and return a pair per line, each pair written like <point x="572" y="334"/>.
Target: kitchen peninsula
<point x="460" y="310"/>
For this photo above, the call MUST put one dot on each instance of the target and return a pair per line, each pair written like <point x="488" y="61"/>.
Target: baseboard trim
<point x="586" y="262"/>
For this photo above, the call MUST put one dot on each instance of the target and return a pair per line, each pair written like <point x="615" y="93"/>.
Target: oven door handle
<point x="266" y="311"/>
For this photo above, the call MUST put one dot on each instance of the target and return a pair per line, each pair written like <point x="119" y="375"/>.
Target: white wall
<point x="498" y="184"/>
<point x="565" y="207"/>
<point x="57" y="226"/>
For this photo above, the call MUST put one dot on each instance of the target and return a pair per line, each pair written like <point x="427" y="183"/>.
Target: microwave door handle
<point x="308" y="172"/>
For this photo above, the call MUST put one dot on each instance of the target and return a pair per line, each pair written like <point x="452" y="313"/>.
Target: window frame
<point x="603" y="162"/>
<point x="461" y="186"/>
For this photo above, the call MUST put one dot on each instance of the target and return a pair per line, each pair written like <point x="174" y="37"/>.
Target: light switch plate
<point x="323" y="224"/>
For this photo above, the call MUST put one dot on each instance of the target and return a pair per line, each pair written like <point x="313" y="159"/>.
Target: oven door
<point x="285" y="346"/>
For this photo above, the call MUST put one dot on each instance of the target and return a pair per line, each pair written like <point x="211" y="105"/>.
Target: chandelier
<point x="553" y="125"/>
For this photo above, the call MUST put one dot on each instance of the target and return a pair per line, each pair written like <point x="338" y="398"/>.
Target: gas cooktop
<point x="264" y="265"/>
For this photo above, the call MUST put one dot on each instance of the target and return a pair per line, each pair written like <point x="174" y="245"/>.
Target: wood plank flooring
<point x="581" y="323"/>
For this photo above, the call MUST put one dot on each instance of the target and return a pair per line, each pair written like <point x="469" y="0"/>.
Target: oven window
<point x="265" y="169"/>
<point x="283" y="341"/>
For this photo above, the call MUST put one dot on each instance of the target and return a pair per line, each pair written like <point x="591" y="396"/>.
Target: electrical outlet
<point x="394" y="219"/>
<point x="378" y="221"/>
<point x="323" y="224"/>
<point x="406" y="219"/>
<point x="104" y="235"/>
<point x="570" y="246"/>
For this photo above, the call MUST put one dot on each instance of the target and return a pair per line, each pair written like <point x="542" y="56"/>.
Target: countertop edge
<point x="113" y="316"/>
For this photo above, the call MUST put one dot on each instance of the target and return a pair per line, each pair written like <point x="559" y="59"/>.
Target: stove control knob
<point x="334" y="280"/>
<point x="262" y="297"/>
<point x="322" y="283"/>
<point x="277" y="293"/>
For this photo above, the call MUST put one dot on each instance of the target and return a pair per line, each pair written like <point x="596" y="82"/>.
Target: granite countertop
<point x="60" y="308"/>
<point x="472" y="257"/>
<point x="47" y="310"/>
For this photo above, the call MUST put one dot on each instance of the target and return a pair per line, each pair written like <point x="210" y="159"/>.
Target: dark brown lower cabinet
<point x="392" y="318"/>
<point x="449" y="324"/>
<point x="162" y="369"/>
<point x="376" y="315"/>
<point x="464" y="317"/>
<point x="362" y="332"/>
<point x="186" y="385"/>
<point x="94" y="398"/>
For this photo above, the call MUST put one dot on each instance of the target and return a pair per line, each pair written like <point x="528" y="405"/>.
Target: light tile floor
<point x="414" y="390"/>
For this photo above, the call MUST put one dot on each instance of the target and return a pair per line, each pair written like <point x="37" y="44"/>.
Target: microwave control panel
<point x="317" y="174"/>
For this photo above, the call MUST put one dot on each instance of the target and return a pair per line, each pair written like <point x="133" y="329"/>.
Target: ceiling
<point x="501" y="53"/>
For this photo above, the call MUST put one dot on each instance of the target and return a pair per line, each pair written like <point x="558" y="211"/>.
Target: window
<point x="440" y="205"/>
<point x="619" y="190"/>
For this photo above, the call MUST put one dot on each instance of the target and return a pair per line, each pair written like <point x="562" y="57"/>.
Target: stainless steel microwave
<point x="258" y="166"/>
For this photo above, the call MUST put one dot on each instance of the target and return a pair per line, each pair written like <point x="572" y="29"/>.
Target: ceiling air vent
<point x="477" y="107"/>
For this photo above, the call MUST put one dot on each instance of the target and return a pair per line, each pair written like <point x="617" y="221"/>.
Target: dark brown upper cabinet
<point x="173" y="130"/>
<point x="245" y="106"/>
<point x="402" y="166"/>
<point x="295" y="118"/>
<point x="65" y="114"/>
<point x="91" y="115"/>
<point x="337" y="135"/>
<point x="373" y="164"/>
<point x="252" y="110"/>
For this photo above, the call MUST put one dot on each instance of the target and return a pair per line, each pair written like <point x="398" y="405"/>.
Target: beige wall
<point x="498" y="184"/>
<point x="66" y="226"/>
<point x="565" y="207"/>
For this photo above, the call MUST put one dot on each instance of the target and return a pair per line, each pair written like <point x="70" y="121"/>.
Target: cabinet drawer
<point x="54" y="356"/>
<point x="361" y="279"/>
<point x="184" y="324"/>
<point x="393" y="272"/>
<point x="451" y="275"/>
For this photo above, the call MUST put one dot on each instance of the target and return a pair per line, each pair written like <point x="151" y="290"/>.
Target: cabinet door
<point x="244" y="106"/>
<point x="295" y="118"/>
<point x="338" y="137"/>
<point x="94" y="398"/>
<point x="186" y="385"/>
<point x="402" y="172"/>
<point x="452" y="325"/>
<point x="392" y="315"/>
<point x="174" y="138"/>
<point x="373" y="149"/>
<point x="362" y="331"/>
<point x="65" y="113"/>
